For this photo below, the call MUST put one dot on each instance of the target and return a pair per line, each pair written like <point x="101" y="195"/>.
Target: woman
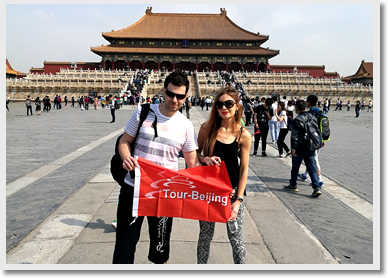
<point x="220" y="139"/>
<point x="95" y="103"/>
<point x="38" y="106"/>
<point x="282" y="119"/>
<point x="290" y="109"/>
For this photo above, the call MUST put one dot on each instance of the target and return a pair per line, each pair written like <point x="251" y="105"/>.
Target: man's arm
<point x="129" y="162"/>
<point x="191" y="159"/>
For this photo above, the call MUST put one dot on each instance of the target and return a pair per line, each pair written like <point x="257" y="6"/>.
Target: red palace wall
<point x="54" y="68"/>
<point x="313" y="72"/>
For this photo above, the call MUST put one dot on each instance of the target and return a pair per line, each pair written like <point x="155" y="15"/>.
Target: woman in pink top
<point x="95" y="102"/>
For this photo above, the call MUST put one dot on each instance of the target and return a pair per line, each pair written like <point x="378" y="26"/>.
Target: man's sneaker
<point x="254" y="153"/>
<point x="316" y="192"/>
<point x="114" y="224"/>
<point x="303" y="177"/>
<point x="290" y="187"/>
<point x="263" y="154"/>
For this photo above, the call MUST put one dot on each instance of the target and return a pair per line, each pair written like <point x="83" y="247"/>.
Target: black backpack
<point x="116" y="163"/>
<point x="324" y="125"/>
<point x="325" y="128"/>
<point x="312" y="137"/>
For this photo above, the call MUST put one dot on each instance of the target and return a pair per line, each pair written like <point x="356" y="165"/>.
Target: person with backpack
<point x="163" y="135"/>
<point x="28" y="105"/>
<point x="305" y="139"/>
<point x="261" y="117"/>
<point x="282" y="118"/>
<point x="323" y="123"/>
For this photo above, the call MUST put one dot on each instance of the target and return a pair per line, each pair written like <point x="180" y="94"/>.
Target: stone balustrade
<point x="81" y="82"/>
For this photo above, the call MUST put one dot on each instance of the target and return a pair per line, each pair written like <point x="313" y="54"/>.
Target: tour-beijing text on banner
<point x="200" y="193"/>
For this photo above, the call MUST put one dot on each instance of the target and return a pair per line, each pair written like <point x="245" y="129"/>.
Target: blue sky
<point x="337" y="36"/>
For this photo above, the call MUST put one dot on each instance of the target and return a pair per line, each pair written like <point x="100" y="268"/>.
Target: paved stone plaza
<point x="57" y="165"/>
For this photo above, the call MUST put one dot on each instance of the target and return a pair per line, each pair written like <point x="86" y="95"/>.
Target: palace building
<point x="185" y="41"/>
<point x="364" y="74"/>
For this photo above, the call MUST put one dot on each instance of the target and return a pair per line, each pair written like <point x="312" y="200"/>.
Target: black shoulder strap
<point x="145" y="108"/>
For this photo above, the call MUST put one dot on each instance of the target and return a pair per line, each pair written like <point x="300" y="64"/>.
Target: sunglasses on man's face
<point x="228" y="104"/>
<point x="172" y="95"/>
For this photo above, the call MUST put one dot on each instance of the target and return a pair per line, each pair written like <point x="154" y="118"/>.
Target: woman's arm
<point x="245" y="146"/>
<point x="281" y="117"/>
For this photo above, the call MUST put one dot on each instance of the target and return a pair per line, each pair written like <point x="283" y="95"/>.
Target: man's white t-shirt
<point x="175" y="133"/>
<point x="274" y="108"/>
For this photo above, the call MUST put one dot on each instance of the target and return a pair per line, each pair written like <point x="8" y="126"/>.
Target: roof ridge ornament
<point x="148" y="10"/>
<point x="223" y="11"/>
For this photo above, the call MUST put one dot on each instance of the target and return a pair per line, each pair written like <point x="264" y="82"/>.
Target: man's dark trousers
<point x="308" y="158"/>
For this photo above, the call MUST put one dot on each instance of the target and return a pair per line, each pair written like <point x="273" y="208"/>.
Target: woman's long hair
<point x="283" y="106"/>
<point x="214" y="122"/>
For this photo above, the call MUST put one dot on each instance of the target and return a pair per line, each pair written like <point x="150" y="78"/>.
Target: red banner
<point x="200" y="193"/>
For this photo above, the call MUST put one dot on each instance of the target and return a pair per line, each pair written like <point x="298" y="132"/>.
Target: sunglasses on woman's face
<point x="228" y="104"/>
<point x="172" y="95"/>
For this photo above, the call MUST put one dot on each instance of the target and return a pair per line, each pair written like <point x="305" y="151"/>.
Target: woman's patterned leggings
<point x="206" y="235"/>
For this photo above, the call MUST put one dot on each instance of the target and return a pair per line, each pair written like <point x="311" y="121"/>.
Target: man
<point x="28" y="105"/>
<point x="301" y="151"/>
<point x="112" y="106"/>
<point x="175" y="133"/>
<point x="187" y="107"/>
<point x="248" y="111"/>
<point x="261" y="117"/>
<point x="273" y="123"/>
<point x="208" y="103"/>
<point x="311" y="103"/>
<point x="370" y="106"/>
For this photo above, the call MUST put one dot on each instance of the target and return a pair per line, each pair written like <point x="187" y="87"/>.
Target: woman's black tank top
<point x="229" y="154"/>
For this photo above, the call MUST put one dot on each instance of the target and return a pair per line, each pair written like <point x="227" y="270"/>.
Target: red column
<point x="242" y="65"/>
<point x="257" y="66"/>
<point x="113" y="65"/>
<point x="211" y="66"/>
<point x="103" y="64"/>
<point x="129" y="64"/>
<point x="226" y="67"/>
<point x="196" y="66"/>
<point x="143" y="65"/>
<point x="173" y="65"/>
<point x="158" y="65"/>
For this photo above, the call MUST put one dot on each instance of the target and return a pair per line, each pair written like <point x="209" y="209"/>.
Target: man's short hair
<point x="274" y="98"/>
<point x="177" y="78"/>
<point x="269" y="101"/>
<point x="312" y="99"/>
<point x="300" y="105"/>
